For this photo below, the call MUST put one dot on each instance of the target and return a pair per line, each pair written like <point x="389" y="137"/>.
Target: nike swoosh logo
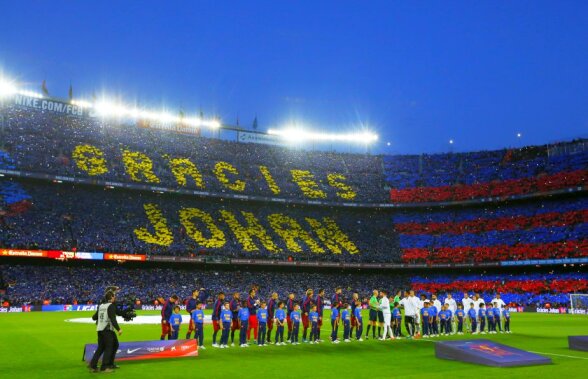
<point x="131" y="351"/>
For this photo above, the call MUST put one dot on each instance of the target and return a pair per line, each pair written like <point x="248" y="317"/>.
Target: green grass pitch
<point x="43" y="345"/>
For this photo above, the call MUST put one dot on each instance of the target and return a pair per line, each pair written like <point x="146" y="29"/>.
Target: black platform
<point x="578" y="342"/>
<point x="489" y="353"/>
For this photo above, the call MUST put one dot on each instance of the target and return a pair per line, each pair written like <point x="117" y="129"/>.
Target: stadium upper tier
<point x="35" y="141"/>
<point x="63" y="216"/>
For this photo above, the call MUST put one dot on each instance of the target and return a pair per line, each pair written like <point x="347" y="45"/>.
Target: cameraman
<point x="106" y="324"/>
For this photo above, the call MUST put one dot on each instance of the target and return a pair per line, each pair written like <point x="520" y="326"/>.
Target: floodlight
<point x="301" y="135"/>
<point x="7" y="88"/>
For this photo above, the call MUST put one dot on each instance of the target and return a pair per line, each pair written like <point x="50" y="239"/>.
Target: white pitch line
<point x="559" y="355"/>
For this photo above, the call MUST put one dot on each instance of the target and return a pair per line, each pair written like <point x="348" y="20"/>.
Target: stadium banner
<point x="262" y="138"/>
<point x="51" y="254"/>
<point x="134" y="351"/>
<point x="49" y="105"/>
<point x="124" y="257"/>
<point x="530" y="262"/>
<point x="144" y="307"/>
<point x="555" y="310"/>
<point x="69" y="308"/>
<point x="24" y="308"/>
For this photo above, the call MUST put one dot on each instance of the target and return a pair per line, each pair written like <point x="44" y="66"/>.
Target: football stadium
<point x="147" y="242"/>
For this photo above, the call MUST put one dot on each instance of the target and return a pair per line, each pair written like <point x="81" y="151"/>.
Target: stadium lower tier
<point x="61" y="216"/>
<point x="63" y="284"/>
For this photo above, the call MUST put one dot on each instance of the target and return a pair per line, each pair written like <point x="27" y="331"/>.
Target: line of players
<point x="422" y="317"/>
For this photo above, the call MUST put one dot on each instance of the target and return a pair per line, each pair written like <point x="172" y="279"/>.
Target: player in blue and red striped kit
<point x="319" y="301"/>
<point x="289" y="309"/>
<point x="354" y="299"/>
<point x="305" y="310"/>
<point x="166" y="312"/>
<point x="337" y="299"/>
<point x="252" y="305"/>
<point x="191" y="304"/>
<point x="272" y="305"/>
<point x="234" y="305"/>
<point x="216" y="310"/>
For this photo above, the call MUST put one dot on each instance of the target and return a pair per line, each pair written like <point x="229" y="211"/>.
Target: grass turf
<point x="37" y="345"/>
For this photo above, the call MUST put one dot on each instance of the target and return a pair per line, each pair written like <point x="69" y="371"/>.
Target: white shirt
<point x="477" y="304"/>
<point x="411" y="305"/>
<point x="467" y="303"/>
<point x="385" y="305"/>
<point x="437" y="304"/>
<point x="452" y="304"/>
<point x="498" y="302"/>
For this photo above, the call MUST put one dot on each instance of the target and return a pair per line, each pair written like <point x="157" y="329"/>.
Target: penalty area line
<point x="559" y="355"/>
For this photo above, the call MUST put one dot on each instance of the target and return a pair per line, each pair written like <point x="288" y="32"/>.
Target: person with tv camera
<point x="106" y="325"/>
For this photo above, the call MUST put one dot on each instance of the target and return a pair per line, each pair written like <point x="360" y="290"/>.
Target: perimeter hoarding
<point x="134" y="351"/>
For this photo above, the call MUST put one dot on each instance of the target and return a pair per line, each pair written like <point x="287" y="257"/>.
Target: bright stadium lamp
<point x="82" y="103"/>
<point x="301" y="135"/>
<point x="7" y="88"/>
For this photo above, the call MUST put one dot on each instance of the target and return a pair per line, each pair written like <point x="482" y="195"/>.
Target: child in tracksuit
<point x="506" y="316"/>
<point x="295" y="317"/>
<point x="175" y="321"/>
<point x="280" y="317"/>
<point x="397" y="317"/>
<point x="473" y="317"/>
<point x="460" y="314"/>
<point x="346" y="317"/>
<point x="226" y="318"/>
<point x="358" y="321"/>
<point x="497" y="321"/>
<point x="198" y="317"/>
<point x="244" y="323"/>
<point x="313" y="316"/>
<point x="262" y="320"/>
<point x="334" y="324"/>
<point x="490" y="318"/>
<point x="482" y="317"/>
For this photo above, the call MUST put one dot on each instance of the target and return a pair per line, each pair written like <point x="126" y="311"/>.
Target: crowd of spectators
<point x="464" y="176"/>
<point x="90" y="218"/>
<point x="522" y="289"/>
<point x="532" y="230"/>
<point x="64" y="284"/>
<point x="45" y="142"/>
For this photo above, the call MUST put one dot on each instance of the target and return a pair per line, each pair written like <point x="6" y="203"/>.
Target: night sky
<point x="418" y="73"/>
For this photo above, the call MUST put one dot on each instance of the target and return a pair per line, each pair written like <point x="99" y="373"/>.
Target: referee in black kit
<point x="106" y="325"/>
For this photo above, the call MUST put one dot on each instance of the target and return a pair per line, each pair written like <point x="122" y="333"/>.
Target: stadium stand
<point x="537" y="230"/>
<point x="65" y="284"/>
<point x="87" y="147"/>
<point x="96" y="219"/>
